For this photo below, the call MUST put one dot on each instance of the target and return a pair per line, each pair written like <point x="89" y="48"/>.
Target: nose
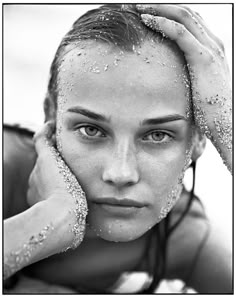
<point x="121" y="169"/>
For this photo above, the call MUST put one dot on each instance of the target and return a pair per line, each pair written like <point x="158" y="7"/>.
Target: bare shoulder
<point x="19" y="158"/>
<point x="198" y="253"/>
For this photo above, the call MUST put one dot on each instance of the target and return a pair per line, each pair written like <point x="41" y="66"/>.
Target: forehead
<point x="152" y="75"/>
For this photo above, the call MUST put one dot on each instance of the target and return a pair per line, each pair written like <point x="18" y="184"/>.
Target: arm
<point x="208" y="70"/>
<point x="36" y="234"/>
<point x="55" y="222"/>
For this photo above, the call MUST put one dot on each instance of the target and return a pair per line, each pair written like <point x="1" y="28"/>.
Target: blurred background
<point x="32" y="34"/>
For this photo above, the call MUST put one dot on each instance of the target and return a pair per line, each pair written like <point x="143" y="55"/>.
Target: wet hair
<point x="120" y="26"/>
<point x="114" y="24"/>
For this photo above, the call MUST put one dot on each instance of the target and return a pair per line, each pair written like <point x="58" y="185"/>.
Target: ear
<point x="199" y="144"/>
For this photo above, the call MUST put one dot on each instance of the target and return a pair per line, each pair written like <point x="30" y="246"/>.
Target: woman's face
<point x="123" y="129"/>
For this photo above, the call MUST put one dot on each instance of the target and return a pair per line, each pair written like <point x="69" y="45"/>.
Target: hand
<point x="208" y="69"/>
<point x="51" y="179"/>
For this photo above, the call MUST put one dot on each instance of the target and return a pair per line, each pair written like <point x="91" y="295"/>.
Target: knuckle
<point x="185" y="13"/>
<point x="180" y="29"/>
<point x="187" y="9"/>
<point x="208" y="57"/>
<point x="220" y="44"/>
<point x="198" y="14"/>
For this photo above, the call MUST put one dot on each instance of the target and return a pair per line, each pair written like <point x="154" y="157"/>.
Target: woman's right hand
<point x="56" y="220"/>
<point x="51" y="179"/>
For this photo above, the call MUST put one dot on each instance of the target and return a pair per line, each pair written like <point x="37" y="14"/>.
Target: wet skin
<point x="108" y="140"/>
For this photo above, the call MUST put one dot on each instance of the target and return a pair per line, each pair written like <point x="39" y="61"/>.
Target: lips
<point x="119" y="202"/>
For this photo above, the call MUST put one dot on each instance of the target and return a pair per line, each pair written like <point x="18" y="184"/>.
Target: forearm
<point x="40" y="231"/>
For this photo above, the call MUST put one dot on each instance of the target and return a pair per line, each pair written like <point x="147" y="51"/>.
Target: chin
<point x="118" y="232"/>
<point x="117" y="228"/>
<point x="114" y="236"/>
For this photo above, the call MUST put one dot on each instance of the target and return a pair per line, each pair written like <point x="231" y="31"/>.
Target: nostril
<point x="120" y="180"/>
<point x="130" y="183"/>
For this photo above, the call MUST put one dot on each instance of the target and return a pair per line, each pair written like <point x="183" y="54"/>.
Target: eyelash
<point x="87" y="137"/>
<point x="166" y="135"/>
<point x="84" y="135"/>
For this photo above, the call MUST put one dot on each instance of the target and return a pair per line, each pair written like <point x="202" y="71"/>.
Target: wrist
<point x="69" y="220"/>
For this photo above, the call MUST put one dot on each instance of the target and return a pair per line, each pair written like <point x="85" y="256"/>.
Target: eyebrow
<point x="160" y="120"/>
<point x="100" y="117"/>
<point x="88" y="113"/>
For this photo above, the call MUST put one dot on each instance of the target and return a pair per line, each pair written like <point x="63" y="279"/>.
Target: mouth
<point x="118" y="206"/>
<point x="119" y="202"/>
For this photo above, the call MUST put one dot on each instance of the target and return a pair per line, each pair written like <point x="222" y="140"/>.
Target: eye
<point x="90" y="131"/>
<point x="157" y="137"/>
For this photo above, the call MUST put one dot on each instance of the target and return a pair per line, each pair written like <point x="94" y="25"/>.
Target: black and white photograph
<point x="117" y="148"/>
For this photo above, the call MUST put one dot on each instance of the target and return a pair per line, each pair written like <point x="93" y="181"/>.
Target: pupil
<point x="91" y="131"/>
<point x="157" y="136"/>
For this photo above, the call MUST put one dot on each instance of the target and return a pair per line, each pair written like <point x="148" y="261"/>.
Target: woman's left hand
<point x="208" y="69"/>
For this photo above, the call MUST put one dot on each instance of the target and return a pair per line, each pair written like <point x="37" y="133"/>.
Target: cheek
<point x="162" y="175"/>
<point x="163" y="170"/>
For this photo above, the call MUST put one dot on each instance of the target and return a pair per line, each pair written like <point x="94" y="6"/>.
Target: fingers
<point x="209" y="33"/>
<point x="184" y="15"/>
<point x="191" y="47"/>
<point x="44" y="137"/>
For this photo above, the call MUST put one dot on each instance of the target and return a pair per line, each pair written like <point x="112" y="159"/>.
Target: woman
<point x="126" y="114"/>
